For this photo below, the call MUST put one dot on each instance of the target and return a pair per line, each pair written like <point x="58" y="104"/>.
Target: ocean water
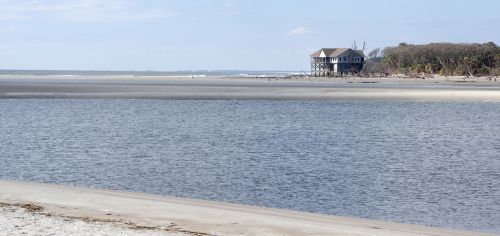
<point x="196" y="73"/>
<point x="431" y="163"/>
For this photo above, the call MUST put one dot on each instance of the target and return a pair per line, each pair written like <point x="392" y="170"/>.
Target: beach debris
<point x="31" y="207"/>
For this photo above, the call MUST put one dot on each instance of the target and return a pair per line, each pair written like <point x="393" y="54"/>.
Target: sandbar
<point x="195" y="217"/>
<point x="222" y="88"/>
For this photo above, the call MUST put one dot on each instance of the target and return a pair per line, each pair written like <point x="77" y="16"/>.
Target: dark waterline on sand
<point x="432" y="163"/>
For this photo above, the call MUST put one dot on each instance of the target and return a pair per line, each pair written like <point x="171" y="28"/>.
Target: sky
<point x="171" y="35"/>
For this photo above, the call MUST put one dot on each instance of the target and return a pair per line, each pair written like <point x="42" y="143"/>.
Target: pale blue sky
<point x="224" y="34"/>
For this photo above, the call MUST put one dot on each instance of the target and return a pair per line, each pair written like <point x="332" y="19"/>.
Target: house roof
<point x="360" y="52"/>
<point x="334" y="52"/>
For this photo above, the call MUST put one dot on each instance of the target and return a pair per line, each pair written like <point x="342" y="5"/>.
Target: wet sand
<point x="222" y="88"/>
<point x="191" y="217"/>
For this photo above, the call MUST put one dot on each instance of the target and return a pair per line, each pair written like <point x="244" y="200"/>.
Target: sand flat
<point x="15" y="220"/>
<point x="199" y="217"/>
<point x="219" y="88"/>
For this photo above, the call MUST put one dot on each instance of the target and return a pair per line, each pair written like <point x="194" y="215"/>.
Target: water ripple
<point x="433" y="163"/>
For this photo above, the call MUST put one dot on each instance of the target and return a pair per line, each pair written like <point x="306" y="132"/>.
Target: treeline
<point x="436" y="58"/>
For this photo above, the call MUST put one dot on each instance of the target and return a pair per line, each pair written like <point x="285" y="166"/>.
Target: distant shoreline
<point x="234" y="74"/>
<point x="182" y="73"/>
<point x="243" y="88"/>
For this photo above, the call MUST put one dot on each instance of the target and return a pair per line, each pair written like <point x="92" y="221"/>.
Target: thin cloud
<point x="299" y="31"/>
<point x="76" y="10"/>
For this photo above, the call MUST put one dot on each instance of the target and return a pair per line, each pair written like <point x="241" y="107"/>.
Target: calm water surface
<point x="432" y="163"/>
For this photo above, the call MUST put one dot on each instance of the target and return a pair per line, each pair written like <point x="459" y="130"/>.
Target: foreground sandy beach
<point x="217" y="88"/>
<point x="29" y="207"/>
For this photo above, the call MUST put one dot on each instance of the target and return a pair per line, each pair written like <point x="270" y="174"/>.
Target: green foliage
<point x="484" y="71"/>
<point x="443" y="59"/>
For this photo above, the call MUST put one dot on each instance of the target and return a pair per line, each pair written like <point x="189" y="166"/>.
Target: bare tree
<point x="374" y="53"/>
<point x="354" y="46"/>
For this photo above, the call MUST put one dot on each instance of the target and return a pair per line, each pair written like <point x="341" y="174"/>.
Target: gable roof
<point x="334" y="52"/>
<point x="360" y="52"/>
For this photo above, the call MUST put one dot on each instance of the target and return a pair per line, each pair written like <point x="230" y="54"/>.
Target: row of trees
<point x="436" y="58"/>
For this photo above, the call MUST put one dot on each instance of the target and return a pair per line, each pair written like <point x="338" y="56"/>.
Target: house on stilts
<point x="331" y="62"/>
